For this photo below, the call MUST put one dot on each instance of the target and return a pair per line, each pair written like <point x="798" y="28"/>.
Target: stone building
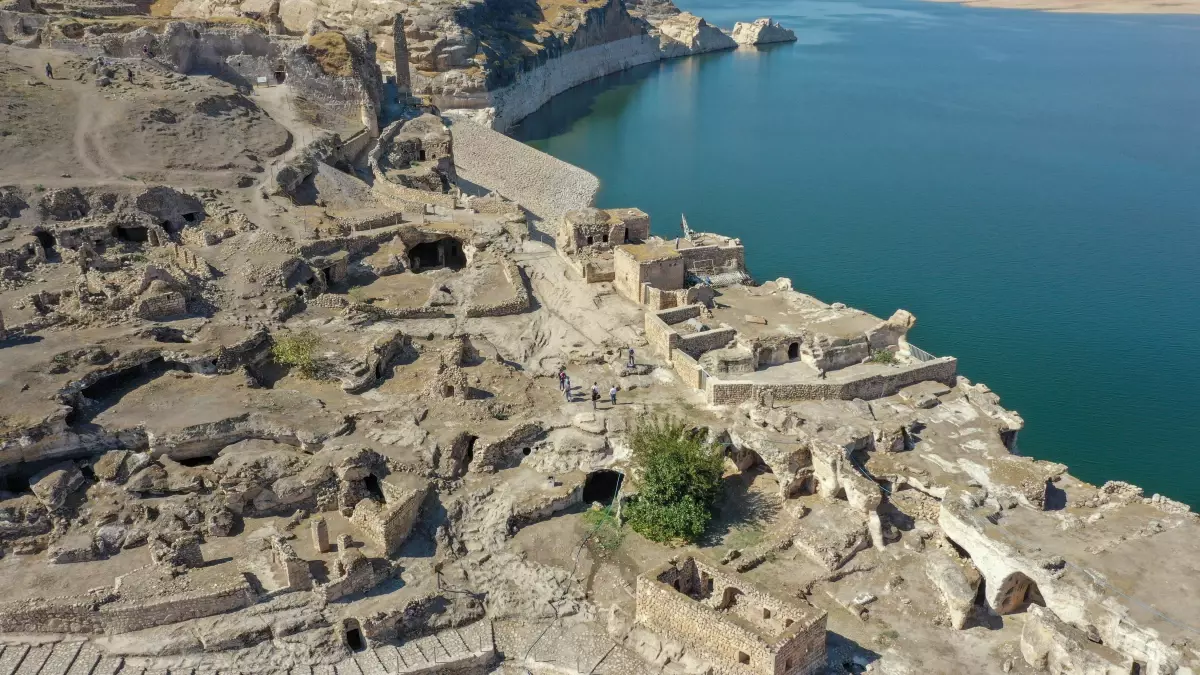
<point x="741" y="627"/>
<point x="654" y="263"/>
<point x="594" y="229"/>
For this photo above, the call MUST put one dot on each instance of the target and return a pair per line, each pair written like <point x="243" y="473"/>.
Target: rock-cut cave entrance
<point x="601" y="486"/>
<point x="444" y="252"/>
<point x="354" y="637"/>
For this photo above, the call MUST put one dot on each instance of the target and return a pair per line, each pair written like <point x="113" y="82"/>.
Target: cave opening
<point x="444" y="252"/>
<point x="601" y="486"/>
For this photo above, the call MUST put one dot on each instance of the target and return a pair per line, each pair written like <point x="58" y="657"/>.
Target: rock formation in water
<point x="761" y="31"/>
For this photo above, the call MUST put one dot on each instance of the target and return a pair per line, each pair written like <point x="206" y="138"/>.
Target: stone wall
<point x="505" y="452"/>
<point x="105" y="612"/>
<point x="520" y="302"/>
<point x="688" y="369"/>
<point x="696" y="344"/>
<point x="161" y="306"/>
<point x="714" y="259"/>
<point x="388" y="525"/>
<point x="729" y="392"/>
<point x="374" y="222"/>
<point x="689" y="602"/>
<point x="124" y="617"/>
<point x="660" y="335"/>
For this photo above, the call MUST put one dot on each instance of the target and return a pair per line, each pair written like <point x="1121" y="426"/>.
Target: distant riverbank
<point x="1023" y="182"/>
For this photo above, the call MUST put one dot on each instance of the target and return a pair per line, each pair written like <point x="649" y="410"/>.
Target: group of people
<point x="564" y="385"/>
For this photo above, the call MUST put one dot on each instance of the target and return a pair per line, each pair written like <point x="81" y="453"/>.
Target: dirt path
<point x="87" y="148"/>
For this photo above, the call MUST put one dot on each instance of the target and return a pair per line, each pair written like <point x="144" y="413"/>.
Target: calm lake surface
<point x="1027" y="184"/>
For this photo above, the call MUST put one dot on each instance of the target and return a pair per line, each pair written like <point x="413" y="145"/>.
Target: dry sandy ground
<point x="161" y="127"/>
<point x="1092" y="6"/>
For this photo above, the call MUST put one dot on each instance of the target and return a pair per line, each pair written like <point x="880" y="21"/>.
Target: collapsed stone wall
<point x="107" y="613"/>
<point x="660" y="335"/>
<point x="520" y="302"/>
<point x="506" y="451"/>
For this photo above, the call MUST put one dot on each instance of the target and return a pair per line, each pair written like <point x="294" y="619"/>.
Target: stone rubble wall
<point x="727" y="392"/>
<point x="506" y="451"/>
<point x="520" y="302"/>
<point x="108" y="614"/>
<point x="492" y="162"/>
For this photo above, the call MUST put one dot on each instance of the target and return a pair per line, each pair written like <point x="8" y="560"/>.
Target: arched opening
<point x="45" y="239"/>
<point x="471" y="448"/>
<point x="421" y="156"/>
<point x="354" y="636"/>
<point x="1138" y="668"/>
<point x="601" y="486"/>
<point x="794" y="351"/>
<point x="1016" y="593"/>
<point x="729" y="597"/>
<point x="135" y="234"/>
<point x="371" y="483"/>
<point x="445" y="252"/>
<point x="280" y="73"/>
<point x="589" y="240"/>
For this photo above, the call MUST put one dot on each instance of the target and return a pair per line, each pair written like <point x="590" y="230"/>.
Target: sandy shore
<point x="1092" y="6"/>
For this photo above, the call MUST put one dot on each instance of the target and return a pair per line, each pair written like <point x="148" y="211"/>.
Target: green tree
<point x="678" y="478"/>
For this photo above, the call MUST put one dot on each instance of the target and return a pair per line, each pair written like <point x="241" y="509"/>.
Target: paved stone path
<point x="429" y="654"/>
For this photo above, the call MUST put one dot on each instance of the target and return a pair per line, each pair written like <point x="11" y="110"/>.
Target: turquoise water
<point x="1028" y="184"/>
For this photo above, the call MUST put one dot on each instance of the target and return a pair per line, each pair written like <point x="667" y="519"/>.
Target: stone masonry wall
<point x="660" y="335"/>
<point x="703" y="624"/>
<point x="711" y="259"/>
<point x="124" y="617"/>
<point x="944" y="370"/>
<point x="388" y="526"/>
<point x="688" y="369"/>
<point x="698" y="343"/>
<point x="520" y="302"/>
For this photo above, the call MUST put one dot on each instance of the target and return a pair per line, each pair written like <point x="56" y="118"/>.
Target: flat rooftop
<point x="786" y="313"/>
<point x="650" y="251"/>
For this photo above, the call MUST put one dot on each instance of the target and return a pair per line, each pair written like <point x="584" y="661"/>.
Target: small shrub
<point x="299" y="351"/>
<point x="606" y="535"/>
<point x="39" y="188"/>
<point x="884" y="356"/>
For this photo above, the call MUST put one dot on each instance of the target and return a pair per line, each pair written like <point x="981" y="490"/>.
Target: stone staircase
<point x="455" y="649"/>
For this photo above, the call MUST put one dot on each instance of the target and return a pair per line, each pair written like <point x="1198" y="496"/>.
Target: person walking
<point x="49" y="72"/>
<point x="612" y="395"/>
<point x="567" y="387"/>
<point x="595" y="395"/>
<point x="562" y="376"/>
<point x="632" y="362"/>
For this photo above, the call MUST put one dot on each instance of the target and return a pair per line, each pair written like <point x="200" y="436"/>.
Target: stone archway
<point x="1015" y="593"/>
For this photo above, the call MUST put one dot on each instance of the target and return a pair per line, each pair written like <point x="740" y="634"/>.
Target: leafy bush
<point x="679" y="479"/>
<point x="299" y="351"/>
<point x="884" y="356"/>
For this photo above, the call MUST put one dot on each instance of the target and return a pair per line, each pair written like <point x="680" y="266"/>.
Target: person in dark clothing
<point x="632" y="362"/>
<point x="49" y="72"/>
<point x="595" y="395"/>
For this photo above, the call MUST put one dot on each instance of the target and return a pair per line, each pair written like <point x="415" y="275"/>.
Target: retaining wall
<point x="732" y="392"/>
